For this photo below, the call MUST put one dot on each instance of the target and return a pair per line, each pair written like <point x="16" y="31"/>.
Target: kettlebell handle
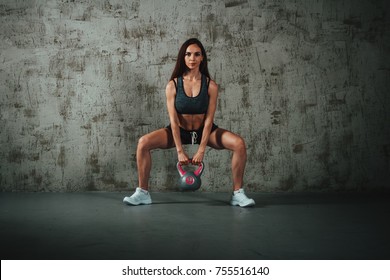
<point x="197" y="172"/>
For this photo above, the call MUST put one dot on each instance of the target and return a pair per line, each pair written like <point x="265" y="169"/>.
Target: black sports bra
<point x="185" y="104"/>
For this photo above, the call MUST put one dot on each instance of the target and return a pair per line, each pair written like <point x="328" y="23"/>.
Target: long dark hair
<point x="181" y="68"/>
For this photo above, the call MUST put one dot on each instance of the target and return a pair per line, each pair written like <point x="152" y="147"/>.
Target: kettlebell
<point x="189" y="181"/>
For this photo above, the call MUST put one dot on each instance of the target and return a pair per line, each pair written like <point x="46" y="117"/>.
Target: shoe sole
<point x="136" y="204"/>
<point x="234" y="203"/>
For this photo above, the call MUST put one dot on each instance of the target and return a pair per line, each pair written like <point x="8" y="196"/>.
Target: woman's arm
<point x="170" y="93"/>
<point x="209" y="119"/>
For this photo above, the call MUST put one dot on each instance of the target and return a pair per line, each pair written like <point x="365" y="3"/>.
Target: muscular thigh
<point x="158" y="139"/>
<point x="223" y="139"/>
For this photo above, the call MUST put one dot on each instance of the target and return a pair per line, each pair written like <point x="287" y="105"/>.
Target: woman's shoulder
<point x="171" y="85"/>
<point x="212" y="84"/>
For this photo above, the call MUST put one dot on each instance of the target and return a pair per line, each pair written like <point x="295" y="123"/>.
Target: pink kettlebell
<point x="189" y="181"/>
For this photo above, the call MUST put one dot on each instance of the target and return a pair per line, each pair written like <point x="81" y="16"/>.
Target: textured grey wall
<point x="304" y="82"/>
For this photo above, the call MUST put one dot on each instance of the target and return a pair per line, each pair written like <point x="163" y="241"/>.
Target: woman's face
<point x="193" y="56"/>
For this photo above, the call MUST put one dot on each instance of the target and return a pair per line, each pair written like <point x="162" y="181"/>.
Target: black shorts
<point x="194" y="136"/>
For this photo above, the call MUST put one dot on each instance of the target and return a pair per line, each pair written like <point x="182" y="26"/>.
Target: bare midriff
<point x="191" y="122"/>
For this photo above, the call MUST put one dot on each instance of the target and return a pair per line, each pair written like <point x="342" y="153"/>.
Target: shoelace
<point x="194" y="137"/>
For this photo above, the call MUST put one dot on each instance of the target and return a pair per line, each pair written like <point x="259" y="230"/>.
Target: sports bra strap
<point x="174" y="83"/>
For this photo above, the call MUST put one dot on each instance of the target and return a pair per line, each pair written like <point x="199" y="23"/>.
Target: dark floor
<point x="196" y="225"/>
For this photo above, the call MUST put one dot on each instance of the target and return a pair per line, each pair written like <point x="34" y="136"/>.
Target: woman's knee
<point x="143" y="143"/>
<point x="239" y="144"/>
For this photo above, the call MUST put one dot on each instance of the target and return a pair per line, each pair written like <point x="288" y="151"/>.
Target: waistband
<point x="199" y="130"/>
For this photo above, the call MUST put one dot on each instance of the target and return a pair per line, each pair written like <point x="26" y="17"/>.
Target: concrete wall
<point x="304" y="82"/>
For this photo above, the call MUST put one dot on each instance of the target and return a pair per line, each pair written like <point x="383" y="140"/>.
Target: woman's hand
<point x="183" y="158"/>
<point x="197" y="158"/>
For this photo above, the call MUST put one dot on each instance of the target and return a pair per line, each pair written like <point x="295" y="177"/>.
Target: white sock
<point x="144" y="191"/>
<point x="237" y="191"/>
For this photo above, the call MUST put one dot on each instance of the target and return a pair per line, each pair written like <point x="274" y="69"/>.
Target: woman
<point x="191" y="100"/>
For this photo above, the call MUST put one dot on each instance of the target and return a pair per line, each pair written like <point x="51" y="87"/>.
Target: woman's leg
<point x="224" y="139"/>
<point x="159" y="139"/>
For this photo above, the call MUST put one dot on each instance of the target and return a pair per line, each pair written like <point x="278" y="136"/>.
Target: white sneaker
<point x="239" y="198"/>
<point x="139" y="197"/>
